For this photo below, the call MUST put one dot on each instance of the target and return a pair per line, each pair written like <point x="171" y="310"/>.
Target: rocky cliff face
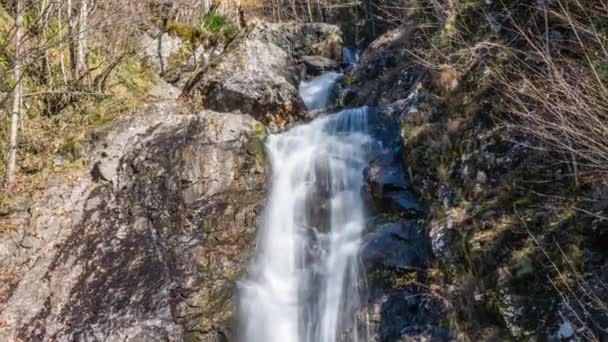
<point x="502" y="267"/>
<point x="397" y="250"/>
<point x="147" y="244"/>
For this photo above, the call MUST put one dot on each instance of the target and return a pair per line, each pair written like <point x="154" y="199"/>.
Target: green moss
<point x="391" y="278"/>
<point x="136" y="76"/>
<point x="220" y="25"/>
<point x="186" y="32"/>
<point x="350" y="79"/>
<point x="6" y="21"/>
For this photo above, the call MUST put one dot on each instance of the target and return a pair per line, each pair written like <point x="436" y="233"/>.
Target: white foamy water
<point x="317" y="92"/>
<point x="304" y="283"/>
<point x="350" y="55"/>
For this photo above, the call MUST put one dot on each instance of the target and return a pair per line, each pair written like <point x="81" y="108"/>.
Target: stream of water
<point x="304" y="283"/>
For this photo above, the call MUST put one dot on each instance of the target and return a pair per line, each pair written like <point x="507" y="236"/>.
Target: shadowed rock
<point x="388" y="187"/>
<point x="152" y="252"/>
<point x="397" y="245"/>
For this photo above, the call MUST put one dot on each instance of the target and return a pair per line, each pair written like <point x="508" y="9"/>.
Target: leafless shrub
<point x="556" y="88"/>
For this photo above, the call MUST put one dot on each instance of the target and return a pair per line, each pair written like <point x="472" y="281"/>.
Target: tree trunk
<point x="320" y="9"/>
<point x="71" y="38"/>
<point x="309" y="11"/>
<point x="295" y="11"/>
<point x="159" y="42"/>
<point x="45" y="9"/>
<point x="11" y="162"/>
<point x="62" y="48"/>
<point x="83" y="20"/>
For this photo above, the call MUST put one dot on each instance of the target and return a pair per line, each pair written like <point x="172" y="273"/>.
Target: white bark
<point x="81" y="54"/>
<point x="62" y="48"/>
<point x="11" y="162"/>
<point x="309" y="11"/>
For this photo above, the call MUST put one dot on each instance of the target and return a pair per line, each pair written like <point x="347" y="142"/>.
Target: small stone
<point x="565" y="331"/>
<point x="482" y="177"/>
<point x="58" y="162"/>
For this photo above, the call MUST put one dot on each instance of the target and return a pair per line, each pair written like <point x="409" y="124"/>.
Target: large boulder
<point x="386" y="182"/>
<point x="388" y="187"/>
<point x="257" y="73"/>
<point x="401" y="245"/>
<point x="149" y="245"/>
<point x="301" y="39"/>
<point x="407" y="315"/>
<point x="389" y="55"/>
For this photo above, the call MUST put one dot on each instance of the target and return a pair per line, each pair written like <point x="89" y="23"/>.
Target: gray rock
<point x="407" y="315"/>
<point x="150" y="252"/>
<point x="301" y="39"/>
<point x="256" y="74"/>
<point x="315" y="65"/>
<point x="158" y="47"/>
<point x="388" y="187"/>
<point x="397" y="245"/>
<point x="251" y="80"/>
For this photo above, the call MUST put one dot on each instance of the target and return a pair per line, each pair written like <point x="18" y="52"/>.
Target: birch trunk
<point x="11" y="162"/>
<point x="83" y="20"/>
<point x="62" y="47"/>
<point x="309" y="11"/>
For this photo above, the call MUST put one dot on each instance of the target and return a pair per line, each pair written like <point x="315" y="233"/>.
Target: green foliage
<point x="6" y="21"/>
<point x="135" y="75"/>
<point x="601" y="67"/>
<point x="221" y="26"/>
<point x="186" y="32"/>
<point x="350" y="79"/>
<point x="213" y="28"/>
<point x="213" y="21"/>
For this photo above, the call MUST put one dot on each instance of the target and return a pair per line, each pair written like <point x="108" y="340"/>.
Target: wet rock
<point x="385" y="129"/>
<point x="152" y="252"/>
<point x="400" y="108"/>
<point x="386" y="56"/>
<point x="388" y="187"/>
<point x="407" y="315"/>
<point x="397" y="245"/>
<point x="386" y="183"/>
<point x="446" y="196"/>
<point x="443" y="237"/>
<point x="315" y="65"/>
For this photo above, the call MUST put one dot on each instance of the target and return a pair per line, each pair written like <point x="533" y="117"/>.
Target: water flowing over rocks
<point x="149" y="242"/>
<point x="396" y="250"/>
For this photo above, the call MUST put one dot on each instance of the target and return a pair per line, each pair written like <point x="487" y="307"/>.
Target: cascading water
<point x="304" y="283"/>
<point x="350" y="55"/>
<point x="317" y="92"/>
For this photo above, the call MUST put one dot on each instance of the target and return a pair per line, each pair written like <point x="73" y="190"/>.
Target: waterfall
<point x="304" y="283"/>
<point x="317" y="92"/>
<point x="350" y="55"/>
